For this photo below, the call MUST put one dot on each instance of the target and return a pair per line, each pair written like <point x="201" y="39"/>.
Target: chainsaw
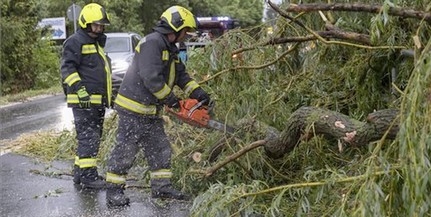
<point x="193" y="112"/>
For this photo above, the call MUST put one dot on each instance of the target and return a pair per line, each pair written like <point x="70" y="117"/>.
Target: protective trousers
<point x="137" y="132"/>
<point x="89" y="127"/>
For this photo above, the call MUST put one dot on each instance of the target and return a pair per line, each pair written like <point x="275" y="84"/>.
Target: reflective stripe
<point x="190" y="87"/>
<point x="88" y="49"/>
<point x="161" y="174"/>
<point x="87" y="162"/>
<point x="95" y="99"/>
<point x="171" y="78"/>
<point x="76" y="161"/>
<point x="138" y="47"/>
<point x="72" y="78"/>
<point x="165" y="55"/>
<point x="135" y="106"/>
<point x="114" y="178"/>
<point x="161" y="94"/>
<point x="108" y="74"/>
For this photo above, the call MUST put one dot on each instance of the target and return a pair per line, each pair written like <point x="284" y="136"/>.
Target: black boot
<point x="76" y="175"/>
<point x="115" y="195"/>
<point x="162" y="188"/>
<point x="90" y="179"/>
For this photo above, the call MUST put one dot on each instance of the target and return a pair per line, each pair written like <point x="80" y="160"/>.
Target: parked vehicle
<point x="120" y="47"/>
<point x="209" y="28"/>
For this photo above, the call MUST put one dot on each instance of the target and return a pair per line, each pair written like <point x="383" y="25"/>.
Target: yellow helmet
<point x="93" y="13"/>
<point x="178" y="17"/>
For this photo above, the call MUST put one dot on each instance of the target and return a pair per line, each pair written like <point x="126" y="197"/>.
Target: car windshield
<point x="117" y="44"/>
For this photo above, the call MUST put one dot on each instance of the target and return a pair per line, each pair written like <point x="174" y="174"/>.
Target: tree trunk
<point x="309" y="121"/>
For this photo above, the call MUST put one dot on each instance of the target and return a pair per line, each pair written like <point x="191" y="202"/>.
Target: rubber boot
<point x="115" y="195"/>
<point x="162" y="188"/>
<point x="76" y="175"/>
<point x="90" y="179"/>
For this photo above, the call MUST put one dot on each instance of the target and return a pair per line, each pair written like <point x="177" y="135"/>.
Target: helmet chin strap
<point x="89" y="30"/>
<point x="177" y="34"/>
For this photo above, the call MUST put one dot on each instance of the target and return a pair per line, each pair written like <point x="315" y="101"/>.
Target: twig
<point x="320" y="38"/>
<point x="234" y="156"/>
<point x="250" y="67"/>
<point x="356" y="7"/>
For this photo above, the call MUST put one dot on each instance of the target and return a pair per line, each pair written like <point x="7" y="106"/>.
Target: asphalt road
<point x="29" y="188"/>
<point x="43" y="113"/>
<point x="33" y="189"/>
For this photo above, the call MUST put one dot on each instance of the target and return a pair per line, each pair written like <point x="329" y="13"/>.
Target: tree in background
<point x="21" y="62"/>
<point x="28" y="61"/>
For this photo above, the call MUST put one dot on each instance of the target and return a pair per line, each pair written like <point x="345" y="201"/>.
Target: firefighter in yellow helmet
<point x="146" y="88"/>
<point x="86" y="70"/>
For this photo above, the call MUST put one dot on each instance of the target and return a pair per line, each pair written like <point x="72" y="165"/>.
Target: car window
<point x="117" y="44"/>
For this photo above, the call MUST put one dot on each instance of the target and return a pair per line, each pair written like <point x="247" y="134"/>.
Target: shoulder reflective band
<point x="135" y="106"/>
<point x="88" y="49"/>
<point x="138" y="47"/>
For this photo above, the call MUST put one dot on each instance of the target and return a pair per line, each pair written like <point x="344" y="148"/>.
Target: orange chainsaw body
<point x="192" y="112"/>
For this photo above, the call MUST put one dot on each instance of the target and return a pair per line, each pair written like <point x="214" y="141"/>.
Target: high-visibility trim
<point x="95" y="99"/>
<point x="108" y="74"/>
<point x="114" y="178"/>
<point x="161" y="94"/>
<point x="172" y="73"/>
<point x="135" y="106"/>
<point x="165" y="55"/>
<point x="190" y="87"/>
<point x="161" y="174"/>
<point x="72" y="78"/>
<point x="88" y="49"/>
<point x="87" y="162"/>
<point x="138" y="47"/>
<point x="76" y="161"/>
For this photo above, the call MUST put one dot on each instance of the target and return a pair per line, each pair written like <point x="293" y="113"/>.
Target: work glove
<point x="83" y="97"/>
<point x="201" y="96"/>
<point x="172" y="101"/>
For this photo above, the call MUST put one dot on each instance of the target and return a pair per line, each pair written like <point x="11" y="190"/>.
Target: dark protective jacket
<point x="84" y="63"/>
<point x="149" y="80"/>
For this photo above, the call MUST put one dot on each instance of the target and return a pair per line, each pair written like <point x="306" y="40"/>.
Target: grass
<point x="27" y="95"/>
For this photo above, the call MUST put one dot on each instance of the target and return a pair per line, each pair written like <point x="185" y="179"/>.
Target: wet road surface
<point x="25" y="192"/>
<point x="44" y="113"/>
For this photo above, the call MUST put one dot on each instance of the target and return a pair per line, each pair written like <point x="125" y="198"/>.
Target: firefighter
<point x="86" y="70"/>
<point x="146" y="88"/>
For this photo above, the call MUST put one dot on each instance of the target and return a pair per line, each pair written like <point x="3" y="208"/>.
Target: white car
<point x="120" y="47"/>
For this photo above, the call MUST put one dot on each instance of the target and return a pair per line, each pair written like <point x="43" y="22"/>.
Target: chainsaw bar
<point x="220" y="126"/>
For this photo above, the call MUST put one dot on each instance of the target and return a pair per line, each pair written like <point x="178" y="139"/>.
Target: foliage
<point x="28" y="59"/>
<point x="268" y="83"/>
<point x="30" y="62"/>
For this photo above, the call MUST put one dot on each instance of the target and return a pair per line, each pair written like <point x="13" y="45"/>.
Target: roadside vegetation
<point x="271" y="76"/>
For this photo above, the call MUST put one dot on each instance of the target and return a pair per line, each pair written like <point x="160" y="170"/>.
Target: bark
<point x="309" y="121"/>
